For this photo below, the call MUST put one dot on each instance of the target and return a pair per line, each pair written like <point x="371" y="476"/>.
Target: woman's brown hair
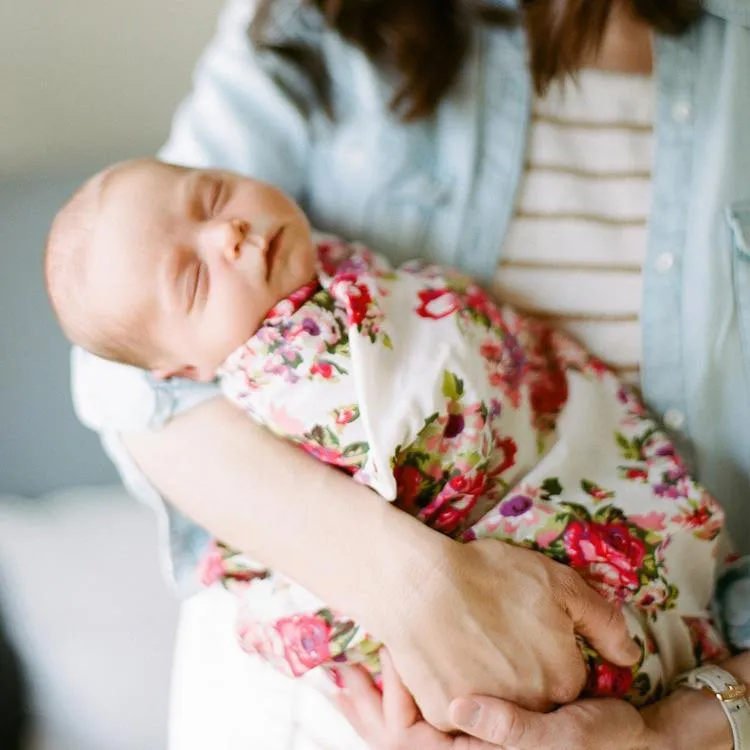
<point x="424" y="42"/>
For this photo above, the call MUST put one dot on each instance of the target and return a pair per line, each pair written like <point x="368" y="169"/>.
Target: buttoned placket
<point x="662" y="367"/>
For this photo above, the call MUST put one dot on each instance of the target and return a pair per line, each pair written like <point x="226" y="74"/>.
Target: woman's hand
<point x="495" y="619"/>
<point x="595" y="724"/>
<point x="391" y="721"/>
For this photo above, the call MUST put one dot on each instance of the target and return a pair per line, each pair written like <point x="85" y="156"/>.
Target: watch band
<point x="731" y="694"/>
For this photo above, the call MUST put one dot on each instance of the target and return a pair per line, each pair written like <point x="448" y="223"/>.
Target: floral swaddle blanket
<point x="481" y="423"/>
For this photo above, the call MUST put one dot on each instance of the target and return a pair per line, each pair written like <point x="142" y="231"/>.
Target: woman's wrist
<point x="409" y="557"/>
<point x="687" y="720"/>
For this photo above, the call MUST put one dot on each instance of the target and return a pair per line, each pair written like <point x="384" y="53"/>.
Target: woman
<point x="406" y="124"/>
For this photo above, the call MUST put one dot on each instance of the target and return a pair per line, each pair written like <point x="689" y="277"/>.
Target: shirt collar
<point x="737" y="11"/>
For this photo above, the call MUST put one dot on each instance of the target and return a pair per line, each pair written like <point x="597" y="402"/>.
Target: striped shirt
<point x="575" y="250"/>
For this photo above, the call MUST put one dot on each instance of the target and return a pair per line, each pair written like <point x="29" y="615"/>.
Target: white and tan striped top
<point x="575" y="249"/>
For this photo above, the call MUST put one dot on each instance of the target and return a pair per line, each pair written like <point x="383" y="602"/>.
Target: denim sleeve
<point x="243" y="112"/>
<point x="111" y="399"/>
<point x="732" y="603"/>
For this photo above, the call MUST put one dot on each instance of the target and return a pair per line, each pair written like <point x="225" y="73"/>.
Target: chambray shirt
<point x="445" y="188"/>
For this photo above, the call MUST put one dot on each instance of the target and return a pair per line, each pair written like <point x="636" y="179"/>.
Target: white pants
<point x="224" y="699"/>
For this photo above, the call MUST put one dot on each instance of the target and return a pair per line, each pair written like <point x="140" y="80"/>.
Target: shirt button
<point x="681" y="111"/>
<point x="664" y="262"/>
<point x="674" y="419"/>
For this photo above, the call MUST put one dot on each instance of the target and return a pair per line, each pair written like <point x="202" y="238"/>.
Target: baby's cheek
<point x="242" y="316"/>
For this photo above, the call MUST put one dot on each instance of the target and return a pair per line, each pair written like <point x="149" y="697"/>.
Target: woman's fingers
<point x="601" y="623"/>
<point x="399" y="708"/>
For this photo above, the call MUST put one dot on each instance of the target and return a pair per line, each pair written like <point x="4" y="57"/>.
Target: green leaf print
<point x="641" y="686"/>
<point x="597" y="493"/>
<point x="356" y="449"/>
<point x="551" y="487"/>
<point x="453" y="386"/>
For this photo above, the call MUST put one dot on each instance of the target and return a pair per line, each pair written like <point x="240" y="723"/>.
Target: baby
<point x="476" y="420"/>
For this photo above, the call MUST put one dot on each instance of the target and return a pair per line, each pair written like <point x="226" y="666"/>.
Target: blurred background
<point x="82" y="604"/>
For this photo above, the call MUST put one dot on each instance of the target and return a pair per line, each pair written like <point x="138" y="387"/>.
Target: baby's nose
<point x="236" y="232"/>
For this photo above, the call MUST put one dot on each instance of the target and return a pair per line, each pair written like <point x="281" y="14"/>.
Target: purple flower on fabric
<point x="455" y="425"/>
<point x="516" y="506"/>
<point x="311" y="327"/>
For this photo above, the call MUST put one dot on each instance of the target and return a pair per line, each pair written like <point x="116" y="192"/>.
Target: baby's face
<point x="198" y="256"/>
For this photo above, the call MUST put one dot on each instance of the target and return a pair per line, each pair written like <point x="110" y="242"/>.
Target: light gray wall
<point x="42" y="446"/>
<point x="84" y="79"/>
<point x="83" y="83"/>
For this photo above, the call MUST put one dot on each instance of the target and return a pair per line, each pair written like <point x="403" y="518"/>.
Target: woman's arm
<point x="412" y="587"/>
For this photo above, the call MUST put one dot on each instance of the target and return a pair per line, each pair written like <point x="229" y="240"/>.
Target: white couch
<point x="92" y="617"/>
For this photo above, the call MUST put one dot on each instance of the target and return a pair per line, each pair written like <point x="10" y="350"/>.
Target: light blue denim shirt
<point x="445" y="188"/>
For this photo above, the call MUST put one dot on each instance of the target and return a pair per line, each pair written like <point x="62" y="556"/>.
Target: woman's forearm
<point x="689" y="719"/>
<point x="269" y="499"/>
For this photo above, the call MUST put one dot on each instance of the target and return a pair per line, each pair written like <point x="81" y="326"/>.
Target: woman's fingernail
<point x="464" y="713"/>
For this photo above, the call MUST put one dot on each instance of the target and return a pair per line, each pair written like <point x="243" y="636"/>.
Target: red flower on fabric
<point x="636" y="475"/>
<point x="359" y="299"/>
<point x="608" y="555"/>
<point x="408" y="484"/>
<point x="306" y="641"/>
<point x="491" y="351"/>
<point x="699" y="517"/>
<point x="346" y="414"/>
<point x="549" y="392"/>
<point x="609" y="681"/>
<point x="437" y="303"/>
<point x="464" y="485"/>
<point x="327" y="455"/>
<point x="324" y="369"/>
<point x="356" y="296"/>
<point x="479" y="302"/>
<point x="450" y="518"/>
<point x="509" y="450"/>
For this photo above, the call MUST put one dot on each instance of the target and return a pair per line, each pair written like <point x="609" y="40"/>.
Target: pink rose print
<point x="654" y="597"/>
<point x="346" y="414"/>
<point x="305" y="639"/>
<point x="289" y="305"/>
<point x="211" y="566"/>
<point x="708" y="645"/>
<point x="437" y="303"/>
<point x="608" y="555"/>
<point x="321" y="452"/>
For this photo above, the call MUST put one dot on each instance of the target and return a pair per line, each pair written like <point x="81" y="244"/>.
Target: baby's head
<point x="171" y="269"/>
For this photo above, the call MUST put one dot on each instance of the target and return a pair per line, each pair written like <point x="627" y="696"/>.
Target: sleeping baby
<point x="464" y="413"/>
